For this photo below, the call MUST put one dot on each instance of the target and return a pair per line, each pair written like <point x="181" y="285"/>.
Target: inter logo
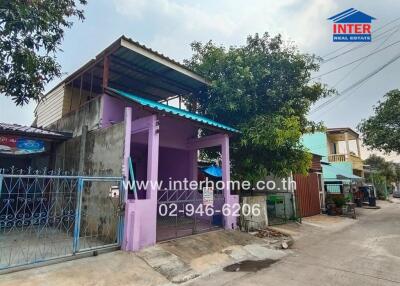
<point x="352" y="26"/>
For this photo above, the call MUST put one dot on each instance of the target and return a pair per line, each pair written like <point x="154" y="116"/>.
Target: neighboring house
<point x="341" y="156"/>
<point x="22" y="147"/>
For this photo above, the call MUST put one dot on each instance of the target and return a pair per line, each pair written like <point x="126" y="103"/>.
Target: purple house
<point x="124" y="109"/>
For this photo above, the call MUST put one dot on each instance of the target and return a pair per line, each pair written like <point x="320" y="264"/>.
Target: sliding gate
<point x="183" y="212"/>
<point x="45" y="217"/>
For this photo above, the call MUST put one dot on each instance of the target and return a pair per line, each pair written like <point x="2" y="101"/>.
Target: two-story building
<point x="119" y="102"/>
<point x="341" y="156"/>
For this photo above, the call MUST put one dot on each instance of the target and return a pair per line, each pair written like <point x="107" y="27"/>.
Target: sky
<point x="169" y="26"/>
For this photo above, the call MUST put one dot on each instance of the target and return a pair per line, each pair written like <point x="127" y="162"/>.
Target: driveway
<point x="365" y="252"/>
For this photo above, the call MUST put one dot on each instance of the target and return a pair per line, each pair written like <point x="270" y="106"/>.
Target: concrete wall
<point x="251" y="222"/>
<point x="104" y="151"/>
<point x="103" y="157"/>
<point x="89" y="114"/>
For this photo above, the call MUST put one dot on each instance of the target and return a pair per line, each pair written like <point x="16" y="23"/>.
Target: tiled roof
<point x="32" y="131"/>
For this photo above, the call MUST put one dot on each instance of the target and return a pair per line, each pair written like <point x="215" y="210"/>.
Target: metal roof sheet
<point x="135" y="54"/>
<point x="171" y="110"/>
<point x="32" y="131"/>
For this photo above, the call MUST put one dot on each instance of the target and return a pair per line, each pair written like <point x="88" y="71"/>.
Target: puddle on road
<point x="250" y="265"/>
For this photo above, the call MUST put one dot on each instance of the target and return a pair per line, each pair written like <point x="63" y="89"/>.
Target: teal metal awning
<point x="334" y="173"/>
<point x="170" y="109"/>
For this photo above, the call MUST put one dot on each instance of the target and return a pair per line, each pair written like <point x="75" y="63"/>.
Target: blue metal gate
<point x="46" y="217"/>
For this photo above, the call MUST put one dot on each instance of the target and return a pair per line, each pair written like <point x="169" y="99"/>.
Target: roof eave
<point x="200" y="124"/>
<point x="160" y="58"/>
<point x="61" y="137"/>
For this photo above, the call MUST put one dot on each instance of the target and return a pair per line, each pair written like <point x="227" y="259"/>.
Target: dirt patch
<point x="250" y="265"/>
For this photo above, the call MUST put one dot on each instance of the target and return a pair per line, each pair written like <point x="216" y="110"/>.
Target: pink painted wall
<point x="112" y="110"/>
<point x="173" y="163"/>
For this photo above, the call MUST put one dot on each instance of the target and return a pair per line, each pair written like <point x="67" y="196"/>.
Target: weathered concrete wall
<point x="89" y="114"/>
<point x="250" y="221"/>
<point x="103" y="157"/>
<point x="67" y="155"/>
<point x="103" y="152"/>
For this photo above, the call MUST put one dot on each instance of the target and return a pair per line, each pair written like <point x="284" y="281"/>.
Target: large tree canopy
<point x="262" y="88"/>
<point x="380" y="165"/>
<point x="31" y="32"/>
<point x="382" y="130"/>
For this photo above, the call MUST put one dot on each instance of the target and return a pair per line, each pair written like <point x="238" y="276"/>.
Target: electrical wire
<point x="320" y="107"/>
<point x="359" y="82"/>
<point x="357" y="60"/>
<point x="360" y="63"/>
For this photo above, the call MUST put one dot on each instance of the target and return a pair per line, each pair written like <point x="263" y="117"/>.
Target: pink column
<point x="152" y="158"/>
<point x="127" y="145"/>
<point x="129" y="215"/>
<point x="230" y="221"/>
<point x="141" y="215"/>
<point x="193" y="172"/>
<point x="149" y="206"/>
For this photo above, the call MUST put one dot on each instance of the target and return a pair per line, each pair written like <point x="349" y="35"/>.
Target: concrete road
<point x="366" y="252"/>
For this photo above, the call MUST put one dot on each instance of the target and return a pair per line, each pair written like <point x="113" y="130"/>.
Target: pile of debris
<point x="268" y="232"/>
<point x="274" y="238"/>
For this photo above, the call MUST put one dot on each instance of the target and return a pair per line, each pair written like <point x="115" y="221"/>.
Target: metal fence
<point x="178" y="213"/>
<point x="44" y="217"/>
<point x="281" y="208"/>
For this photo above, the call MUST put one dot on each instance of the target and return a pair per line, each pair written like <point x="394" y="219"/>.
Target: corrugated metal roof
<point x="170" y="109"/>
<point x="32" y="131"/>
<point x="160" y="55"/>
<point x="137" y="54"/>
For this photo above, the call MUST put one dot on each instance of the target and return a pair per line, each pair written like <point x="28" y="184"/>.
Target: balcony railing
<point x="337" y="158"/>
<point x="355" y="160"/>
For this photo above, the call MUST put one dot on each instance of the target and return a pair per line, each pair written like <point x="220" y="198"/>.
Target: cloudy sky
<point x="169" y="26"/>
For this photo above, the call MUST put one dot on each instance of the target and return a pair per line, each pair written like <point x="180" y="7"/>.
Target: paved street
<point x="364" y="253"/>
<point x="327" y="251"/>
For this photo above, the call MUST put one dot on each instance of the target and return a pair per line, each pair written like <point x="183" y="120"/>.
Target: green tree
<point x="380" y="165"/>
<point x="382" y="130"/>
<point x="31" y="32"/>
<point x="263" y="88"/>
<point x="383" y="173"/>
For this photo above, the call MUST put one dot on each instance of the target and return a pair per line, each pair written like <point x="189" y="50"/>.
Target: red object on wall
<point x="8" y="140"/>
<point x="307" y="194"/>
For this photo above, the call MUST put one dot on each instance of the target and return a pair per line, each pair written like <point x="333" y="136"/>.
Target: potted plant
<point x="330" y="205"/>
<point x="340" y="201"/>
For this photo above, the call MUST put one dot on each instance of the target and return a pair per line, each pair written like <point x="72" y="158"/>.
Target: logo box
<point x="352" y="26"/>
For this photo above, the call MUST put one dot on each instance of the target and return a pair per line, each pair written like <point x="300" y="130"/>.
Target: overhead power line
<point x="363" y="61"/>
<point x="357" y="60"/>
<point x="334" y="98"/>
<point x="357" y="83"/>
